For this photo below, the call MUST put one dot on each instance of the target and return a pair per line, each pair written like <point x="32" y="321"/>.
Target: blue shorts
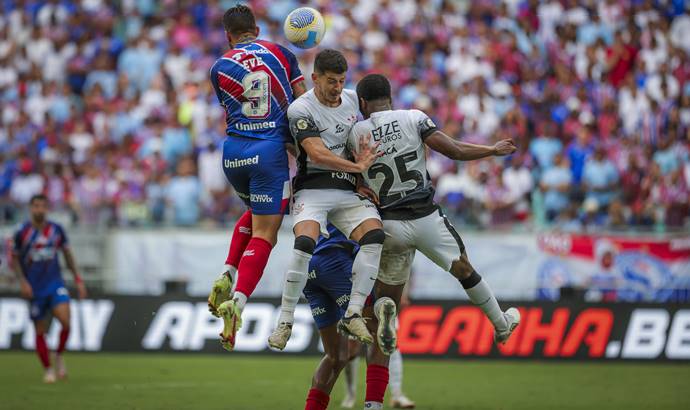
<point x="329" y="285"/>
<point x="258" y="170"/>
<point x="41" y="305"/>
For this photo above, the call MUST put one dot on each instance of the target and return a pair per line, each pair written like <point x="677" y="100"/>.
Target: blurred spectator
<point x="556" y="183"/>
<point x="600" y="179"/>
<point x="183" y="193"/>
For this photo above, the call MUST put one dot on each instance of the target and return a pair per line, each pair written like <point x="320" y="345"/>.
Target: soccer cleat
<point x="402" y="402"/>
<point x="356" y="327"/>
<point x="49" y="376"/>
<point x="386" y="336"/>
<point x="348" y="402"/>
<point x="512" y="317"/>
<point x="60" y="366"/>
<point x="280" y="336"/>
<point x="232" y="321"/>
<point x="220" y="292"/>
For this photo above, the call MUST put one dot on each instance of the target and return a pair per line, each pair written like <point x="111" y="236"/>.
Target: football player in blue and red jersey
<point x="255" y="83"/>
<point x="35" y="261"/>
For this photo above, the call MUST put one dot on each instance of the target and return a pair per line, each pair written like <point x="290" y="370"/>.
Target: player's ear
<point x="362" y="106"/>
<point x="257" y="30"/>
<point x="314" y="76"/>
<point x="230" y="40"/>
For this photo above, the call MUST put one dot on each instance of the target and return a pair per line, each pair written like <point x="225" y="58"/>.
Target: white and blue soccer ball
<point x="304" y="27"/>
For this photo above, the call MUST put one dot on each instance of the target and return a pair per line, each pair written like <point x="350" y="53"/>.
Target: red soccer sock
<point x="64" y="335"/>
<point x="240" y="238"/>
<point x="252" y="265"/>
<point x="42" y="350"/>
<point x="317" y="400"/>
<point x="377" y="381"/>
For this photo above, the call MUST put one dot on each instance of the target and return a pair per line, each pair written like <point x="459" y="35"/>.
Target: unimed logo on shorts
<point x="237" y="163"/>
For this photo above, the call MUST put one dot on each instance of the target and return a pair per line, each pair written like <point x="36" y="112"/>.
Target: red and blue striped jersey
<point x="37" y="251"/>
<point x="253" y="83"/>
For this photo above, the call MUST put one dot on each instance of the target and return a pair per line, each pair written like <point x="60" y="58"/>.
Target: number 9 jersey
<point x="253" y="83"/>
<point x="399" y="177"/>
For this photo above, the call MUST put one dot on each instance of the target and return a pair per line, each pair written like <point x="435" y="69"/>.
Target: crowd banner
<point x="572" y="330"/>
<point x="518" y="266"/>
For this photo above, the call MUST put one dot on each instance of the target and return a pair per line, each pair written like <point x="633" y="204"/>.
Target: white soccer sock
<point x="233" y="275"/>
<point x="295" y="280"/>
<point x="240" y="300"/>
<point x="364" y="272"/>
<point x="395" y="370"/>
<point x="373" y="405"/>
<point x="351" y="372"/>
<point x="481" y="295"/>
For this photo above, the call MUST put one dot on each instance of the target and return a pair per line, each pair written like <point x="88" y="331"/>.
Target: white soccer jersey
<point x="399" y="177"/>
<point x="310" y="118"/>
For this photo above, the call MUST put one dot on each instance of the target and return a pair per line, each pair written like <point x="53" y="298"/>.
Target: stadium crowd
<point x="107" y="107"/>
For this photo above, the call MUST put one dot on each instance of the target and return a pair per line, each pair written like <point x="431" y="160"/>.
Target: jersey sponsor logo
<point x="312" y="274"/>
<point x="337" y="146"/>
<point x="237" y="163"/>
<point x="387" y="132"/>
<point x="263" y="198"/>
<point x="42" y="254"/>
<point x="344" y="175"/>
<point x="255" y="126"/>
<point x="389" y="151"/>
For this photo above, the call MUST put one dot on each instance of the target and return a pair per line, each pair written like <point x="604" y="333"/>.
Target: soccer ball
<point x="304" y="27"/>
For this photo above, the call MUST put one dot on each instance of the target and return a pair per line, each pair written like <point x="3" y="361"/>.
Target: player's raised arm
<point x="464" y="151"/>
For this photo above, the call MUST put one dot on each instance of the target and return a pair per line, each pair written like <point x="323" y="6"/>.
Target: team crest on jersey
<point x="339" y="129"/>
<point x="302" y="124"/>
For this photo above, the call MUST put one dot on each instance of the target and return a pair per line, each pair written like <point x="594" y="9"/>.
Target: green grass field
<point x="158" y="381"/>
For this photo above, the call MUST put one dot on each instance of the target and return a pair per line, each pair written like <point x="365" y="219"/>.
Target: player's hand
<point x="369" y="193"/>
<point x="504" y="147"/>
<point x="81" y="290"/>
<point x="367" y="153"/>
<point x="25" y="289"/>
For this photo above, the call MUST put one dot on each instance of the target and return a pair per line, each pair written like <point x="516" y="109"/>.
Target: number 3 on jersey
<point x="257" y="91"/>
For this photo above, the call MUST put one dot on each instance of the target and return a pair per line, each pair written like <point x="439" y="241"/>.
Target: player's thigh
<point x="235" y="151"/>
<point x="438" y="240"/>
<point x="312" y="206"/>
<point x="397" y="254"/>
<point x="354" y="211"/>
<point x="324" y="310"/>
<point x="269" y="184"/>
<point x="59" y="305"/>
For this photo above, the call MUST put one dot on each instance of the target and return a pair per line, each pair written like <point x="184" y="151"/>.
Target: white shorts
<point x="433" y="235"/>
<point x="344" y="209"/>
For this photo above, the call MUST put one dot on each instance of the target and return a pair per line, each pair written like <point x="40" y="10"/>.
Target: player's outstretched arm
<point x="72" y="266"/>
<point x="464" y="151"/>
<point x="321" y="155"/>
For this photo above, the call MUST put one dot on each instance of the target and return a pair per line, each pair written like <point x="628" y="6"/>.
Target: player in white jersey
<point x="411" y="219"/>
<point x="324" y="190"/>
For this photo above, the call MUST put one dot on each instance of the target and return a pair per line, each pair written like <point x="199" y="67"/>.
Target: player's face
<point x="38" y="210"/>
<point x="329" y="86"/>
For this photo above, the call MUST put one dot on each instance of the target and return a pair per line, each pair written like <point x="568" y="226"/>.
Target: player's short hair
<point x="239" y="19"/>
<point x="330" y="60"/>
<point x="374" y="87"/>
<point x="38" y="197"/>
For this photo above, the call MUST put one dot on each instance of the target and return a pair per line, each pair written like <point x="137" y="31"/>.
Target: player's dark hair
<point x="330" y="60"/>
<point x="239" y="19"/>
<point x="374" y="87"/>
<point x="38" y="197"/>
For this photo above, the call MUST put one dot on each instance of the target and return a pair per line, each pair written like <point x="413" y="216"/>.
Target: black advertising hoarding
<point x="427" y="329"/>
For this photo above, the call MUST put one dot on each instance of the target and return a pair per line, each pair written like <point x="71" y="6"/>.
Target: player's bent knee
<point x="373" y="237"/>
<point x="305" y="244"/>
<point x="461" y="269"/>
